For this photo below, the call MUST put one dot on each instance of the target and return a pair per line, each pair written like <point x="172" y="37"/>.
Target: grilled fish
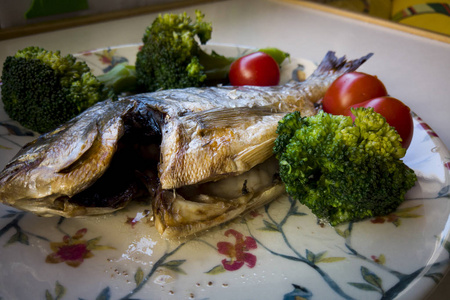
<point x="174" y="146"/>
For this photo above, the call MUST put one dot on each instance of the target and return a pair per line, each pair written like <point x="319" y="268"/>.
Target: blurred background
<point x="21" y="17"/>
<point x="429" y="15"/>
<point x="26" y="12"/>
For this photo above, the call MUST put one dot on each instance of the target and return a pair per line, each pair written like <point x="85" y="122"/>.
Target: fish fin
<point x="333" y="64"/>
<point x="227" y="117"/>
<point x="252" y="156"/>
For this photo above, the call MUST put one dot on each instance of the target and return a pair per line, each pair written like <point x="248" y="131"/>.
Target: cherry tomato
<point x="257" y="68"/>
<point x="351" y="88"/>
<point x="396" y="113"/>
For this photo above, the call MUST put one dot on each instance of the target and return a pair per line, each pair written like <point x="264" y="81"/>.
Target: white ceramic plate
<point x="276" y="252"/>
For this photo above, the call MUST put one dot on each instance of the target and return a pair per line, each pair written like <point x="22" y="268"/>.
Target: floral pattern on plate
<point x="276" y="252"/>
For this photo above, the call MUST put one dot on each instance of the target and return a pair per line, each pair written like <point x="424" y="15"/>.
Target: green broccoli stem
<point x="121" y="79"/>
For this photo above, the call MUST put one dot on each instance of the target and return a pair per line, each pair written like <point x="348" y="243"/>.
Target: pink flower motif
<point x="255" y="213"/>
<point x="73" y="250"/>
<point x="391" y="218"/>
<point x="87" y="53"/>
<point x="106" y="56"/>
<point x="395" y="217"/>
<point x="381" y="259"/>
<point x="237" y="253"/>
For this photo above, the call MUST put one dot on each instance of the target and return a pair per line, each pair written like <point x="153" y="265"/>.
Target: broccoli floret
<point x="169" y="56"/>
<point x="343" y="171"/>
<point x="42" y="89"/>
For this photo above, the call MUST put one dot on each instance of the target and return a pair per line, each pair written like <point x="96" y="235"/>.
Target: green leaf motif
<point x="371" y="277"/>
<point x="59" y="291"/>
<point x="268" y="226"/>
<point x="320" y="256"/>
<point x="403" y="212"/>
<point x="447" y="246"/>
<point x="295" y="212"/>
<point x="364" y="286"/>
<point x="92" y="243"/>
<point x="20" y="237"/>
<point x="436" y="277"/>
<point x="331" y="259"/>
<point x="381" y="259"/>
<point x="310" y="256"/>
<point x="139" y="276"/>
<point x="174" y="265"/>
<point x="299" y="214"/>
<point x="48" y="296"/>
<point x="397" y="222"/>
<point x="343" y="233"/>
<point x="216" y="270"/>
<point x="104" y="295"/>
<point x="9" y="215"/>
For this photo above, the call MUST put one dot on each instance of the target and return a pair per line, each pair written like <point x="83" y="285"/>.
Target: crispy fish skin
<point x="204" y="134"/>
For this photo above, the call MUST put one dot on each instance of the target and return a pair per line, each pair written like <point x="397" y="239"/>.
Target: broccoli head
<point x="171" y="56"/>
<point x="343" y="171"/>
<point x="42" y="89"/>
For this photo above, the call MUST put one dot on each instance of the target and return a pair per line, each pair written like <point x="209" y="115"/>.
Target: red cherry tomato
<point x="257" y="68"/>
<point x="351" y="88"/>
<point x="396" y="113"/>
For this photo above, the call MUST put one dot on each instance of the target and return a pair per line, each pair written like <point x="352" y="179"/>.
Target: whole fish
<point x="204" y="155"/>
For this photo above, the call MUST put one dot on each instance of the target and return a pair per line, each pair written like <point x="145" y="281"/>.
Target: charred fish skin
<point x="226" y="130"/>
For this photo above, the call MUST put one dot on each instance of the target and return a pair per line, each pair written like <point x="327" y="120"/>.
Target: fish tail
<point x="338" y="66"/>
